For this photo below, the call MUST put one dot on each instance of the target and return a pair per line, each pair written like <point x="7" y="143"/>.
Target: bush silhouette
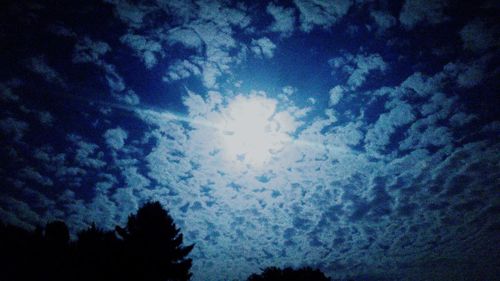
<point x="289" y="274"/>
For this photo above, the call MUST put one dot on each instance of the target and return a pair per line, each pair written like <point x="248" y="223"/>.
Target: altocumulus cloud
<point x="352" y="136"/>
<point x="115" y="138"/>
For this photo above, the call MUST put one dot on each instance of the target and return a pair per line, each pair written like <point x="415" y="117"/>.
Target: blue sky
<point x="360" y="137"/>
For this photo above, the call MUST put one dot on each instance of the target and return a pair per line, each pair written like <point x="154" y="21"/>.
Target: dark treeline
<point x="148" y="248"/>
<point x="289" y="274"/>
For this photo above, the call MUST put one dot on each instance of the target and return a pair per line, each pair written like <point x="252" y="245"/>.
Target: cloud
<point x="421" y="135"/>
<point x="379" y="135"/>
<point x="416" y="12"/>
<point x="44" y="154"/>
<point x="18" y="212"/>
<point x="40" y="66"/>
<point x="478" y="37"/>
<point x="6" y="93"/>
<point x="115" y="138"/>
<point x="491" y="127"/>
<point x="101" y="211"/>
<point x="134" y="179"/>
<point x="438" y="106"/>
<point x="263" y="47"/>
<point x="181" y="69"/>
<point x="210" y="72"/>
<point x="207" y="28"/>
<point x="362" y="175"/>
<point x="289" y="90"/>
<point x="86" y="154"/>
<point x="145" y="49"/>
<point x="128" y="97"/>
<point x="188" y="37"/>
<point x="61" y="30"/>
<point x="358" y="67"/>
<point x="115" y="81"/>
<point x="460" y="119"/>
<point x="434" y="108"/>
<point x="471" y="76"/>
<point x="422" y="85"/>
<point x="11" y="127"/>
<point x="197" y="105"/>
<point x="336" y="94"/>
<point x="321" y="13"/>
<point x="30" y="173"/>
<point x="210" y="34"/>
<point x="46" y="118"/>
<point x="64" y="171"/>
<point x="383" y="19"/>
<point x="105" y="183"/>
<point x="467" y="74"/>
<point x="89" y="51"/>
<point x="284" y="19"/>
<point x="426" y="131"/>
<point x="129" y="13"/>
<point x="224" y="15"/>
<point x="348" y="134"/>
<point x="57" y="165"/>
<point x="166" y="162"/>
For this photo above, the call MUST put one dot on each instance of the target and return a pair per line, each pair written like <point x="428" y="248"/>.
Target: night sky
<point x="358" y="137"/>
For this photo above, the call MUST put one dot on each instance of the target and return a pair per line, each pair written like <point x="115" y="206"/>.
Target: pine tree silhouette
<point x="153" y="246"/>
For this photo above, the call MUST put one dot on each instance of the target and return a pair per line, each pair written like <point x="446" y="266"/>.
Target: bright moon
<point x="252" y="131"/>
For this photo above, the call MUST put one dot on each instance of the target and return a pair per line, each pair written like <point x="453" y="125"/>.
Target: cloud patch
<point x="115" y="138"/>
<point x="321" y="13"/>
<point x="283" y="19"/>
<point x="358" y="67"/>
<point x="263" y="47"/>
<point x="40" y="66"/>
<point x="13" y="128"/>
<point x="424" y="12"/>
<point x="145" y="49"/>
<point x="478" y="36"/>
<point x="383" y="19"/>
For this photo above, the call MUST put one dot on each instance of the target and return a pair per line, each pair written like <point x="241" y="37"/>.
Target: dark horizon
<point x="357" y="137"/>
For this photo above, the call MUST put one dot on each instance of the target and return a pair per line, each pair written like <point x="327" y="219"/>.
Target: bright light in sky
<point x="251" y="132"/>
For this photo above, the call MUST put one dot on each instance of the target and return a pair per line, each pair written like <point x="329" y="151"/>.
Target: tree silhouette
<point x="97" y="255"/>
<point x="35" y="255"/>
<point x="57" y="234"/>
<point x="54" y="258"/>
<point x="289" y="274"/>
<point x="153" y="246"/>
<point x="16" y="253"/>
<point x="149" y="248"/>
